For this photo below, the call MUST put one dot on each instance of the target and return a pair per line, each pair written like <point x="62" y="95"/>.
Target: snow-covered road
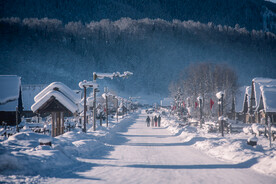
<point x="153" y="155"/>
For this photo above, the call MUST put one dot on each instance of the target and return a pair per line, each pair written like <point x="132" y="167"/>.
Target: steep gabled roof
<point x="241" y="95"/>
<point x="62" y="88"/>
<point x="10" y="88"/>
<point x="268" y="94"/>
<point x="62" y="99"/>
<point x="28" y="94"/>
<point x="258" y="82"/>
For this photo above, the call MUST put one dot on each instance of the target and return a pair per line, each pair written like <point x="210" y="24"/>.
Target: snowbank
<point x="21" y="155"/>
<point x="231" y="148"/>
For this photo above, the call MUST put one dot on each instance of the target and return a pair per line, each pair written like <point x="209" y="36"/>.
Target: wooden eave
<point x="53" y="105"/>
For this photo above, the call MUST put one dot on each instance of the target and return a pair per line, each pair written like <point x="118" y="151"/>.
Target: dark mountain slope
<point x="43" y="51"/>
<point x="246" y="13"/>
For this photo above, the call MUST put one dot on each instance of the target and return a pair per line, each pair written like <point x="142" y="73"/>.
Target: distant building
<point x="257" y="85"/>
<point x="242" y="100"/>
<point x="267" y="105"/>
<point x="58" y="100"/>
<point x="28" y="94"/>
<point x="10" y="98"/>
<point x="166" y="102"/>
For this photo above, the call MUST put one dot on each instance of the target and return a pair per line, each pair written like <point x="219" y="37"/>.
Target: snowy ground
<point x="230" y="148"/>
<point x="130" y="152"/>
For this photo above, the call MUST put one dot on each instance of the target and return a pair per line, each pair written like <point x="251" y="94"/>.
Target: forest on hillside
<point x="251" y="14"/>
<point x="155" y="50"/>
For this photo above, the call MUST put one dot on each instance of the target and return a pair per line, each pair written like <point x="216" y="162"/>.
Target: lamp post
<point x="117" y="105"/>
<point x="105" y="96"/>
<point x="96" y="76"/>
<point x="16" y="113"/>
<point x="220" y="95"/>
<point x="84" y="85"/>
<point x="200" y="99"/>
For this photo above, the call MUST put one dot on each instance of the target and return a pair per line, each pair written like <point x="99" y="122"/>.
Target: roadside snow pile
<point x="22" y="154"/>
<point x="258" y="129"/>
<point x="247" y="130"/>
<point x="231" y="148"/>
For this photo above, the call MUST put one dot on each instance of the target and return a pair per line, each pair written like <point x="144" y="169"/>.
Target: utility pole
<point x="200" y="99"/>
<point x="222" y="121"/>
<point x="106" y="105"/>
<point x="222" y="104"/>
<point x="94" y="103"/>
<point x="269" y="128"/>
<point x="220" y="95"/>
<point x="102" y="76"/>
<point x="84" y="85"/>
<point x="84" y="110"/>
<point x="16" y="114"/>
<point x="117" y="109"/>
<point x="126" y="106"/>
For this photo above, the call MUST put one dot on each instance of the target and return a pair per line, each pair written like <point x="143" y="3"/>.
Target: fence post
<point x="16" y="114"/>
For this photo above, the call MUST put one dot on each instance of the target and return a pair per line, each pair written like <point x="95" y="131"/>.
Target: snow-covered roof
<point x="90" y="100"/>
<point x="9" y="92"/>
<point x="269" y="98"/>
<point x="108" y="95"/>
<point x="166" y="102"/>
<point x="88" y="84"/>
<point x="9" y="106"/>
<point x="10" y="87"/>
<point x="69" y="93"/>
<point x="240" y="98"/>
<point x="219" y="94"/>
<point x="258" y="82"/>
<point x="64" y="100"/>
<point x="28" y="94"/>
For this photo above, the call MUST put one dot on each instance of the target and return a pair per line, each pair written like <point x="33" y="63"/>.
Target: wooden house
<point x="10" y="98"/>
<point x="242" y="100"/>
<point x="59" y="101"/>
<point x="28" y="93"/>
<point x="257" y="83"/>
<point x="267" y="105"/>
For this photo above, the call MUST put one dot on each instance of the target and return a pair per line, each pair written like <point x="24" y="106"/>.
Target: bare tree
<point x="206" y="79"/>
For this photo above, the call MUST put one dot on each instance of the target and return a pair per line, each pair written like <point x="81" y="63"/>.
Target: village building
<point x="266" y="110"/>
<point x="58" y="100"/>
<point x="242" y="100"/>
<point x="10" y="99"/>
<point x="166" y="102"/>
<point x="28" y="93"/>
<point x="257" y="83"/>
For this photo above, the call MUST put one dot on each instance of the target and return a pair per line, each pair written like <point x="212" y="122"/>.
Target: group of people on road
<point x="155" y="121"/>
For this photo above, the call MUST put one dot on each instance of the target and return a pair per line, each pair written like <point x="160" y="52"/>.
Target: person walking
<point x="155" y="120"/>
<point x="148" y="121"/>
<point x="152" y="122"/>
<point x="159" y="120"/>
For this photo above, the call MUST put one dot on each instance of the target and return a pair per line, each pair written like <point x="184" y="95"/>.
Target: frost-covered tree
<point x="206" y="79"/>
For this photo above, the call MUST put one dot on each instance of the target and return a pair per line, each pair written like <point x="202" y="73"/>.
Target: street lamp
<point x="200" y="99"/>
<point x="105" y="95"/>
<point x="220" y="95"/>
<point x="96" y="76"/>
<point x="84" y="85"/>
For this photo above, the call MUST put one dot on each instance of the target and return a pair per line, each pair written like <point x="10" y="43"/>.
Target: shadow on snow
<point x="242" y="165"/>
